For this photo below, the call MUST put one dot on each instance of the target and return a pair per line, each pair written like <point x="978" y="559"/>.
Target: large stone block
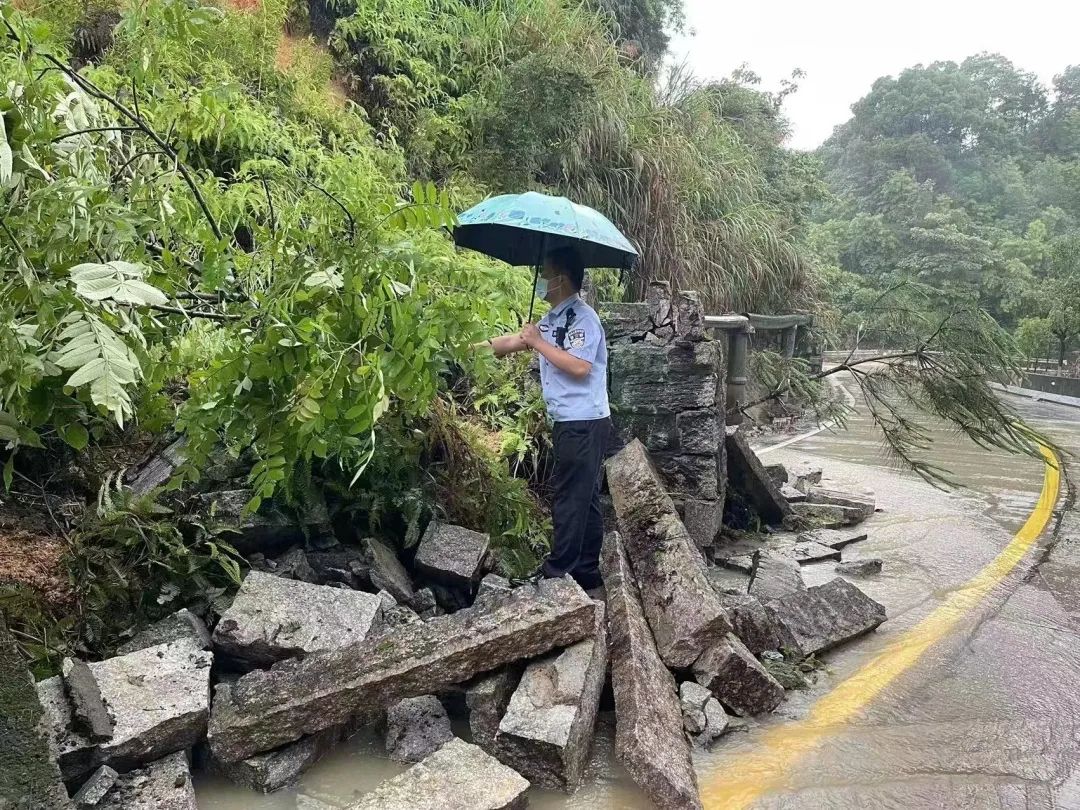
<point x="655" y="431"/>
<point x="738" y="680"/>
<point x="458" y="776"/>
<point x="686" y="476"/>
<point x="751" y="623"/>
<point x="387" y="573"/>
<point x="164" y="784"/>
<point x="547" y="728"/>
<point x="649" y="737"/>
<point x="625" y="322"/>
<point x="266" y="709"/>
<point x="29" y="776"/>
<point x="89" y="713"/>
<point x="822" y="516"/>
<point x="864" y="505"/>
<point x="180" y="626"/>
<point x="270" y="530"/>
<point x="272" y="619"/>
<point x="159" y="698"/>
<point x="416" y="727"/>
<point x="486" y="699"/>
<point x="824" y="616"/>
<point x="283" y="766"/>
<point x="773" y="575"/>
<point x="683" y="610"/>
<point x="700" y="432"/>
<point x="648" y="378"/>
<point x="452" y="555"/>
<point x="747" y="474"/>
<point x="703" y="520"/>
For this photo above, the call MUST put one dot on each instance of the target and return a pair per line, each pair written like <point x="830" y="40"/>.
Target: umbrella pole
<point x="532" y="295"/>
<point x="536" y="275"/>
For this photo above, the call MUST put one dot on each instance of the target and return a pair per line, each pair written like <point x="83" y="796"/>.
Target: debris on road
<point x="458" y="776"/>
<point x="703" y="717"/>
<point x="648" y="717"/>
<point x="547" y="729"/>
<point x="859" y="568"/>
<point x="824" y="616"/>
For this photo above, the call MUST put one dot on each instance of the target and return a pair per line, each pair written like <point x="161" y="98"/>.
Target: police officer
<point x="573" y="377"/>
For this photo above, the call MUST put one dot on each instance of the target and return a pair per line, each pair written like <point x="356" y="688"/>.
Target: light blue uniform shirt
<point x="569" y="399"/>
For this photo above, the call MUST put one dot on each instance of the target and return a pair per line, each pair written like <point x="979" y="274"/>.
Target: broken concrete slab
<point x="90" y="715"/>
<point x="181" y="626"/>
<point x="452" y="555"/>
<point x="95" y="788"/>
<point x="649" y="737"/>
<point x="777" y="473"/>
<point x="683" y="610"/>
<point x="266" y="709"/>
<point x="737" y="679"/>
<point x="834" y="538"/>
<point x="804" y="474"/>
<point x="773" y="575"/>
<point x="486" y="699"/>
<point x="792" y="495"/>
<point x="387" y="572"/>
<point x="859" y="568"/>
<point x="703" y="717"/>
<point x="747" y="474"/>
<point x="159" y="699"/>
<point x="751" y="623"/>
<point x="863" y="504"/>
<point x="275" y="769"/>
<point x="459" y="776"/>
<point x="810" y="551"/>
<point x="28" y="767"/>
<point x="547" y="728"/>
<point x="272" y="619"/>
<point x="164" y="784"/>
<point x="416" y="727"/>
<point x="822" y="516"/>
<point x="824" y="616"/>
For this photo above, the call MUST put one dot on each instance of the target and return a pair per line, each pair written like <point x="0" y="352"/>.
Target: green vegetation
<point x="963" y="178"/>
<point x="227" y="221"/>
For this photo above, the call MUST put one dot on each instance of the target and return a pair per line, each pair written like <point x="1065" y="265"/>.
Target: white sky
<point x="844" y="45"/>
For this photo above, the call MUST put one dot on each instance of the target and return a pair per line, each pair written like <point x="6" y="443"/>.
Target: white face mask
<point x="543" y="287"/>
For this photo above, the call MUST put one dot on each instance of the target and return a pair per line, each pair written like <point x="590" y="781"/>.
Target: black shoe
<point x="589" y="581"/>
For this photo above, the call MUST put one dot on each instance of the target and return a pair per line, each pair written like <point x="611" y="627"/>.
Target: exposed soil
<point x="36" y="562"/>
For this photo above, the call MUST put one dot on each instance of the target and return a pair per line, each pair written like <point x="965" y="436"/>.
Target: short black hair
<point x="570" y="264"/>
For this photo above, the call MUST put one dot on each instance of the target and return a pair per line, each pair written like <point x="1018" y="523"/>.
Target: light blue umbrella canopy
<point x="520" y="229"/>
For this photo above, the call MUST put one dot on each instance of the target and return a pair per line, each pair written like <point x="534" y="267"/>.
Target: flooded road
<point x="986" y="716"/>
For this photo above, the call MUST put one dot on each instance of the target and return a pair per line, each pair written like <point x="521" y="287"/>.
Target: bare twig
<point x="95" y="129"/>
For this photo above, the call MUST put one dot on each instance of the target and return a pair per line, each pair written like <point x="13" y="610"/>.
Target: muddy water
<point x="955" y="736"/>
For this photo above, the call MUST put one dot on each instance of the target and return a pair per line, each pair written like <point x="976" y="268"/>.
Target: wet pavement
<point x="986" y="716"/>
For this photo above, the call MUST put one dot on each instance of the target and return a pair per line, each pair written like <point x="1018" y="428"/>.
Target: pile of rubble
<point x="325" y="638"/>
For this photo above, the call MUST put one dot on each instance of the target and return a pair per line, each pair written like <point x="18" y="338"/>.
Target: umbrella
<point x="520" y="229"/>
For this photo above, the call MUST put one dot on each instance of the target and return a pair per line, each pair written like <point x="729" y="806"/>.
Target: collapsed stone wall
<point x="667" y="380"/>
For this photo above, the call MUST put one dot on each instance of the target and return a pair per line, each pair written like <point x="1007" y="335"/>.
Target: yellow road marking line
<point x="741" y="781"/>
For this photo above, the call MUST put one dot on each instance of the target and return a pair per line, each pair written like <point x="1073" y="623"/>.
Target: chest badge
<point x="576" y="338"/>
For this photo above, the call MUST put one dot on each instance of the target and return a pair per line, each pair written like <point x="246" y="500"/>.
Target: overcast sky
<point x="844" y="45"/>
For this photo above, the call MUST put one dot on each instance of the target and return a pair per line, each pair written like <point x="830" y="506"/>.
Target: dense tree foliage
<point x="963" y="177"/>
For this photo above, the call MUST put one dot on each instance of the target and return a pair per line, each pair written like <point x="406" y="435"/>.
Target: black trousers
<point x="575" y="511"/>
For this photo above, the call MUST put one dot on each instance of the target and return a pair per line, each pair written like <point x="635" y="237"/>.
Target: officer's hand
<point x="530" y="335"/>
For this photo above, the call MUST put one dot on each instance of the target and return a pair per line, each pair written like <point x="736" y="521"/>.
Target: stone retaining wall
<point x="667" y="378"/>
